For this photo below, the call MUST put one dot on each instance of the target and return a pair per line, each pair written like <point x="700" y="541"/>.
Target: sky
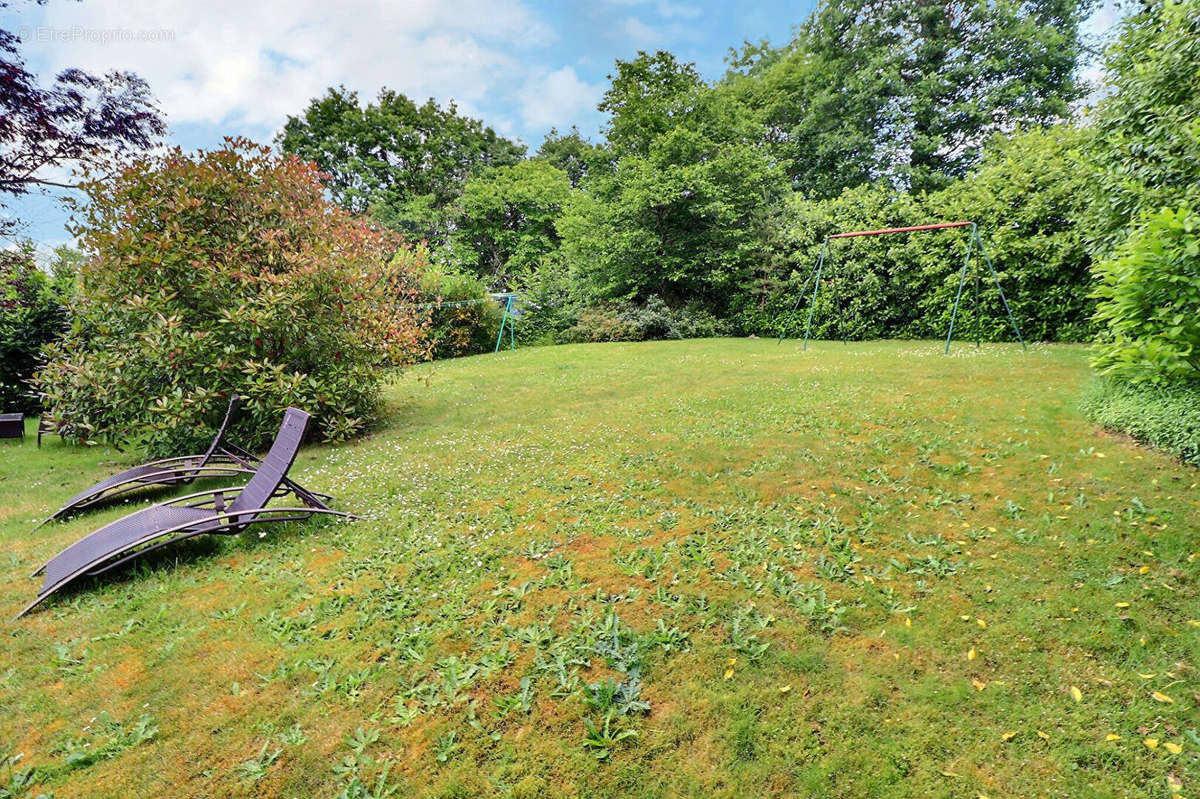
<point x="223" y="68"/>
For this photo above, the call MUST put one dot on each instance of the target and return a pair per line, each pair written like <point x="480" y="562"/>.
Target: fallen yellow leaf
<point x="1174" y="783"/>
<point x="783" y="689"/>
<point x="908" y="622"/>
<point x="1008" y="736"/>
<point x="1159" y="696"/>
<point x="728" y="673"/>
<point x="1150" y="676"/>
<point x="1194" y="622"/>
<point x="1173" y="748"/>
<point x="1112" y="737"/>
<point x="1043" y="735"/>
<point x="1151" y="743"/>
<point x="971" y="655"/>
<point x="1143" y="570"/>
<point x="1122" y="604"/>
<point x="1076" y="694"/>
<point x="979" y="686"/>
<point x="981" y="623"/>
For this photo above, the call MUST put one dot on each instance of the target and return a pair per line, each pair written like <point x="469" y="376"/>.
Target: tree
<point x="910" y="90"/>
<point x="32" y="314"/>
<point x="682" y="213"/>
<point x="506" y="219"/>
<point x="647" y="96"/>
<point x="222" y="272"/>
<point x="1147" y="128"/>
<point x="573" y="154"/>
<point x="403" y="162"/>
<point x="79" y="119"/>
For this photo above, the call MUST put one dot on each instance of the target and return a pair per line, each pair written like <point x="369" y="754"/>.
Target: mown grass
<point x="708" y="568"/>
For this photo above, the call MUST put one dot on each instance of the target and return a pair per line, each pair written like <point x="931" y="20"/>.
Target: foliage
<point x="909" y="90"/>
<point x="601" y="323"/>
<point x="1167" y="417"/>
<point x="403" y="162"/>
<point x="682" y="214"/>
<point x="505" y="221"/>
<point x="80" y="118"/>
<point x="464" y="320"/>
<point x="1149" y="303"/>
<point x="226" y="271"/>
<point x="573" y="154"/>
<point x="1147" y="127"/>
<point x="32" y="314"/>
<point x="1027" y="196"/>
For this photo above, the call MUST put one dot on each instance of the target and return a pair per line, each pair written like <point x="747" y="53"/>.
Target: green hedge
<point x="1167" y="418"/>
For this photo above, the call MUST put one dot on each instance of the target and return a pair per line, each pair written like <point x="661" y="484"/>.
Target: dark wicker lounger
<point x="219" y="460"/>
<point x="195" y="514"/>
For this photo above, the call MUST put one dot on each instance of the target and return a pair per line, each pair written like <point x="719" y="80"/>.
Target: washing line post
<point x="507" y="320"/>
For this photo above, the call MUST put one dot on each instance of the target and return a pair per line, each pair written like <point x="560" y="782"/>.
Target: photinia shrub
<point x="1149" y="303"/>
<point x="219" y="272"/>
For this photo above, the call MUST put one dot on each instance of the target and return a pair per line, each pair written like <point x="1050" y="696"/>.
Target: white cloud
<point x="640" y="34"/>
<point x="246" y="65"/>
<point x="558" y="99"/>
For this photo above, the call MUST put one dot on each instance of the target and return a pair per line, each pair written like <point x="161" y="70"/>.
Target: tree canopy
<point x="404" y="161"/>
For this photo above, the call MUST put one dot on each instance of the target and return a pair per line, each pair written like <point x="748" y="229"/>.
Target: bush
<point x="602" y="323"/>
<point x="32" y="314"/>
<point x="1165" y="417"/>
<point x="651" y="320"/>
<point x="456" y="330"/>
<point x="1149" y="303"/>
<point x="227" y="271"/>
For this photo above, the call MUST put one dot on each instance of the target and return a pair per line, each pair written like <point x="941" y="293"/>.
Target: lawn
<point x="721" y="568"/>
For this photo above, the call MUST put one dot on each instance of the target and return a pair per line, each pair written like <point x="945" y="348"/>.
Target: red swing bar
<point x="938" y="226"/>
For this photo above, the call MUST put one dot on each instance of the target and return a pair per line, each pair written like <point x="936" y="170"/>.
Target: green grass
<point x="707" y="568"/>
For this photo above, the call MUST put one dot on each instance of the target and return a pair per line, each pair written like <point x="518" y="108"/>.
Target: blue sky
<point x="239" y="67"/>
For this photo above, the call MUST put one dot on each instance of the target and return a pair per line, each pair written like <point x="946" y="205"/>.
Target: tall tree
<point x="506" y="221"/>
<point x="573" y="154"/>
<point x="681" y="214"/>
<point x="1147" y="138"/>
<point x="404" y="162"/>
<point x="909" y="90"/>
<point x="80" y="119"/>
<point x="647" y="96"/>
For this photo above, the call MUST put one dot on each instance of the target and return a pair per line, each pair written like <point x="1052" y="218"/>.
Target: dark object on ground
<point x="195" y="514"/>
<point x="219" y="460"/>
<point x="12" y="425"/>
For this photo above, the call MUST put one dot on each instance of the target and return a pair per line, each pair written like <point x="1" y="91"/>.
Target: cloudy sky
<point x="240" y="68"/>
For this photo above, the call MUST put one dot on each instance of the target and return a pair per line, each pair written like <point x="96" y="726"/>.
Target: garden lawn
<point x="721" y="568"/>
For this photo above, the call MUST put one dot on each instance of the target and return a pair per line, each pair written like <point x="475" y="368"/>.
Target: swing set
<point x="973" y="240"/>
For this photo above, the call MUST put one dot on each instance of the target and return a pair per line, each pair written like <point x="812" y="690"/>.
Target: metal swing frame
<point x="973" y="239"/>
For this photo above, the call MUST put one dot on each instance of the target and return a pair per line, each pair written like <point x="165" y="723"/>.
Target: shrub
<point x="602" y="323"/>
<point x="455" y="329"/>
<point x="1149" y="303"/>
<point x="1165" y="417"/>
<point x="32" y="314"/>
<point x="227" y="271"/>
